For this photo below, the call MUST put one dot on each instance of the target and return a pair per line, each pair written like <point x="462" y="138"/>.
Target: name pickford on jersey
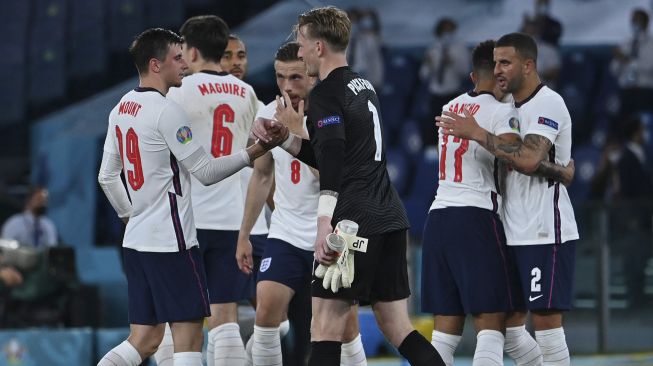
<point x="350" y="106"/>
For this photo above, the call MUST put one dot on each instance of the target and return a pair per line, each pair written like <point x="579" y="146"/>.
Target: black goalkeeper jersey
<point x="345" y="106"/>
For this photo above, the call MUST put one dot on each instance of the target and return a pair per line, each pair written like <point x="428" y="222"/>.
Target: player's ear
<point x="194" y="54"/>
<point x="154" y="65"/>
<point x="321" y="45"/>
<point x="472" y="77"/>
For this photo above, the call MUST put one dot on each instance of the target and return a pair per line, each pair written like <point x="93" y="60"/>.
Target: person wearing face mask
<point x="31" y="227"/>
<point x="444" y="69"/>
<point x="632" y="65"/>
<point x="366" y="57"/>
<point x="550" y="28"/>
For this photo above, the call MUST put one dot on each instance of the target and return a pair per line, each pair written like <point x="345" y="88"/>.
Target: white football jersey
<point x="468" y="174"/>
<point x="261" y="225"/>
<point x="538" y="210"/>
<point x="297" y="189"/>
<point x="151" y="133"/>
<point x="221" y="109"/>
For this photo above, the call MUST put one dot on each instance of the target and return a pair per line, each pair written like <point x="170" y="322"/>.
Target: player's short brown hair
<point x="208" y="33"/>
<point x="287" y="52"/>
<point x="152" y="43"/>
<point x="328" y="23"/>
<point x="523" y="43"/>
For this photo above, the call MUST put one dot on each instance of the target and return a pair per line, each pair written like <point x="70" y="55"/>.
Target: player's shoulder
<point x="549" y="97"/>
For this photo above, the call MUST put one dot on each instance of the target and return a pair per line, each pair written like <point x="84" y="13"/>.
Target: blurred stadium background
<point x="64" y="65"/>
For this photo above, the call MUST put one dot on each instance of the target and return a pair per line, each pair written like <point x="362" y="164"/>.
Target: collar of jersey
<point x="472" y="93"/>
<point x="213" y="72"/>
<point x="519" y="104"/>
<point x="141" y="89"/>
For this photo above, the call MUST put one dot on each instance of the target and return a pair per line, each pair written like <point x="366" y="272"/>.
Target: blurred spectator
<point x="9" y="277"/>
<point x="445" y="68"/>
<point x="633" y="66"/>
<point x="32" y="227"/>
<point x="550" y="28"/>
<point x="548" y="55"/>
<point x="605" y="183"/>
<point x="636" y="186"/>
<point x="365" y="55"/>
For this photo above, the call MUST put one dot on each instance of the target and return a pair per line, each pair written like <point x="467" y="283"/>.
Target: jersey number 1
<point x="135" y="177"/>
<point x="222" y="137"/>
<point x="377" y="130"/>
<point x="458" y="158"/>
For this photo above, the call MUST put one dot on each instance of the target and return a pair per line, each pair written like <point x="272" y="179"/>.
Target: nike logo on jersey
<point x="533" y="298"/>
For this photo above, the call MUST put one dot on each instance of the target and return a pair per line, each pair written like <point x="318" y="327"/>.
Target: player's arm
<point x="258" y="189"/>
<point x="109" y="178"/>
<point x="529" y="156"/>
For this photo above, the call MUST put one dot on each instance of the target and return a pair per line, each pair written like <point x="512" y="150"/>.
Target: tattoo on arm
<point x="501" y="148"/>
<point x="550" y="170"/>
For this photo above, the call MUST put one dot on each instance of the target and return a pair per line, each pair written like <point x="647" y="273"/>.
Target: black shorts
<point x="381" y="274"/>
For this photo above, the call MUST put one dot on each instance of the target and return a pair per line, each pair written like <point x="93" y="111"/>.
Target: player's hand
<point x="323" y="254"/>
<point x="286" y="114"/>
<point x="569" y="172"/>
<point x="10" y="276"/>
<point x="269" y="133"/>
<point x="460" y="126"/>
<point x="244" y="256"/>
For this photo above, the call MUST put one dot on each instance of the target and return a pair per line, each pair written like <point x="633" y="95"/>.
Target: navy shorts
<point x="546" y="272"/>
<point x="258" y="248"/>
<point x="226" y="282"/>
<point x="467" y="268"/>
<point x="286" y="264"/>
<point x="165" y="287"/>
<point x="381" y="273"/>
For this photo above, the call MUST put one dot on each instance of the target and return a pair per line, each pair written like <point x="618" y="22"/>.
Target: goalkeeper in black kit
<point x="366" y="261"/>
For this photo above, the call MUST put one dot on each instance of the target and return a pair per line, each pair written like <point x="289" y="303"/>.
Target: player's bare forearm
<point x="559" y="173"/>
<point x="257" y="192"/>
<point x="525" y="156"/>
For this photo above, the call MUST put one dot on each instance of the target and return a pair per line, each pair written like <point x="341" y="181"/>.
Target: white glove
<point x="341" y="273"/>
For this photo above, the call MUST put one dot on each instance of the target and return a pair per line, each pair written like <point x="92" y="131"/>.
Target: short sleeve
<point x="326" y="115"/>
<point x="175" y="129"/>
<point x="267" y="111"/>
<point x="550" y="118"/>
<point x="505" y="120"/>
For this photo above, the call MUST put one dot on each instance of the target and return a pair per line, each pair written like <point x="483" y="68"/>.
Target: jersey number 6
<point x="222" y="137"/>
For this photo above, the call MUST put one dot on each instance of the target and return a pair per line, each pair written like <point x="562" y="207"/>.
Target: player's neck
<point x="331" y="63"/>
<point x="528" y="88"/>
<point x="202" y="65"/>
<point x="154" y="83"/>
<point x="484" y="86"/>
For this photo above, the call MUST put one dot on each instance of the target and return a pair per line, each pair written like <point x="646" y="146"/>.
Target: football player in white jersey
<point x="538" y="216"/>
<point x="287" y="263"/>
<point x="149" y="137"/>
<point x="464" y="218"/>
<point x="221" y="109"/>
<point x="234" y="61"/>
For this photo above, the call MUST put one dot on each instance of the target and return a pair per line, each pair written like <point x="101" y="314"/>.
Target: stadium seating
<point x="164" y="13"/>
<point x="86" y="32"/>
<point x="586" y="159"/>
<point x="423" y="188"/>
<point x="398" y="169"/>
<point x="47" y="53"/>
<point x="411" y="139"/>
<point x="125" y="20"/>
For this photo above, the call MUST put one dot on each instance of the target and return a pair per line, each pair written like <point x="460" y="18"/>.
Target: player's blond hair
<point x="329" y="24"/>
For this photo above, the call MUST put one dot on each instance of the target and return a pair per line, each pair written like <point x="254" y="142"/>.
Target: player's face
<point x="234" y="60"/>
<point x="308" y="52"/>
<point x="292" y="78"/>
<point x="174" y="67"/>
<point x="508" y="69"/>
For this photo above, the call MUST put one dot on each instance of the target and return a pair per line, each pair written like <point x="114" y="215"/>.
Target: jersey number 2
<point x="458" y="158"/>
<point x="135" y="177"/>
<point x="222" y="137"/>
